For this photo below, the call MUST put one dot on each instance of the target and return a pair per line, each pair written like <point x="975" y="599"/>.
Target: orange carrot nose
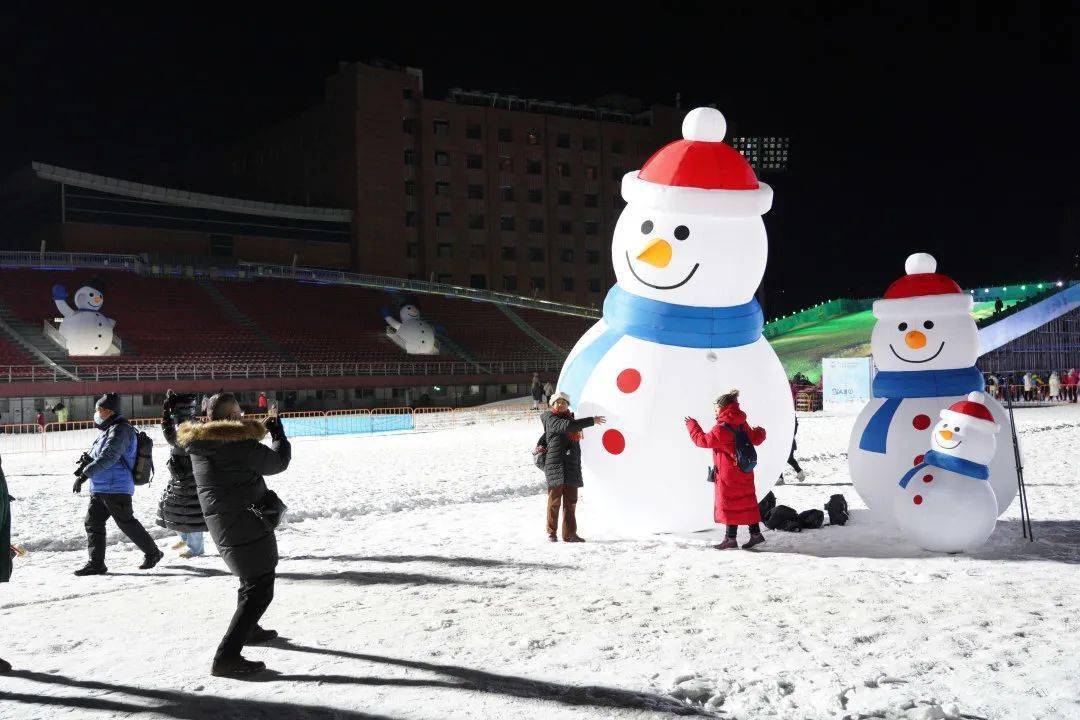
<point x="945" y="434"/>
<point x="657" y="253"/>
<point x="915" y="340"/>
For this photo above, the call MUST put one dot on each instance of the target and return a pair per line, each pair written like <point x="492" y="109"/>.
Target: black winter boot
<point x="236" y="667"/>
<point x="261" y="635"/>
<point x="755" y="539"/>
<point x="91" y="568"/>
<point x="150" y="561"/>
<point x="5" y="666"/>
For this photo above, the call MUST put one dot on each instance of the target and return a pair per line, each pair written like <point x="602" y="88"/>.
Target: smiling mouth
<point x="950" y="447"/>
<point x="940" y="348"/>
<point x="662" y="287"/>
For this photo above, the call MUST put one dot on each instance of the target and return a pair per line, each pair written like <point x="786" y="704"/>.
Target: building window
<point x="592" y="257"/>
<point x="508" y="253"/>
<point x="536" y="196"/>
<point x="408" y="125"/>
<point x="589" y="144"/>
<point x="410" y="157"/>
<point x="566" y="255"/>
<point x="445" y="250"/>
<point x="617" y="173"/>
<point x="406" y="94"/>
<point x="594" y="285"/>
<point x="537" y="283"/>
<point x="532" y="137"/>
<point x="566" y="227"/>
<point x="533" y="167"/>
<point x="473" y="131"/>
<point x="536" y="254"/>
<point x="562" y="140"/>
<point x="506" y="193"/>
<point x="568" y="284"/>
<point x="440" y="127"/>
<point x="442" y="219"/>
<point x="476" y="222"/>
<point x="476" y="192"/>
<point x="478" y="281"/>
<point x="592" y="200"/>
<point x="506" y="164"/>
<point x="477" y="252"/>
<point x="563" y="170"/>
<point x="510" y="282"/>
<point x="474" y="162"/>
<point x="618" y="146"/>
<point x="592" y="227"/>
<point x="410" y="187"/>
<point x="442" y="188"/>
<point x="442" y="159"/>
<point x="410" y="218"/>
<point x="506" y="222"/>
<point x="536" y="225"/>
<point x="564" y="197"/>
<point x="591" y="173"/>
<point x="412" y="249"/>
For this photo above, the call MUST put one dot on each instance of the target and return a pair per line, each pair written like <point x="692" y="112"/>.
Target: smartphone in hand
<point x="271" y="412"/>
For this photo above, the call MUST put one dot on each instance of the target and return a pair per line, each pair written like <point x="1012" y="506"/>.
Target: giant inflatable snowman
<point x="410" y="333"/>
<point x="680" y="327"/>
<point x="85" y="330"/>
<point x="924" y="346"/>
<point x="945" y="503"/>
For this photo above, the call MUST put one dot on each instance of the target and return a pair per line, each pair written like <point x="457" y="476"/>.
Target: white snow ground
<point x="416" y="582"/>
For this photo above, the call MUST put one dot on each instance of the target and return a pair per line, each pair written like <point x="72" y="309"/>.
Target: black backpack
<point x="811" y="519"/>
<point x="745" y="454"/>
<point x="765" y="507"/>
<point x="837" y="509"/>
<point x="143" y="472"/>
<point x="539" y="453"/>
<point x="783" y="518"/>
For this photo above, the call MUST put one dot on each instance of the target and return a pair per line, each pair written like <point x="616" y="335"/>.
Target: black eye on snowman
<point x="682" y="232"/>
<point x="902" y="327"/>
<point x="956" y="429"/>
<point x="646" y="227"/>
<point x="929" y="324"/>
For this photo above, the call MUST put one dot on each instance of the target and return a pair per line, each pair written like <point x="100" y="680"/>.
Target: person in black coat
<point x="562" y="465"/>
<point x="179" y="508"/>
<point x="229" y="462"/>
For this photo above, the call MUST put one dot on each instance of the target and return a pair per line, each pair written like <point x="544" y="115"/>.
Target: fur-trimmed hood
<point x="198" y="438"/>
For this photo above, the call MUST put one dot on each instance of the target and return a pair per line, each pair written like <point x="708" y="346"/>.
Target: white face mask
<point x="97" y="418"/>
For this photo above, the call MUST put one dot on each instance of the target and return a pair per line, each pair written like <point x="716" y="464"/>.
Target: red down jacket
<point x="735" y="501"/>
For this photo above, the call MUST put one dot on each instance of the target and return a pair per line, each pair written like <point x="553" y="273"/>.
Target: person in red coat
<point x="735" y="500"/>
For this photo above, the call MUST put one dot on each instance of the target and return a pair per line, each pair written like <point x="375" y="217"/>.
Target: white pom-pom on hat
<point x="705" y="124"/>
<point x="976" y="396"/>
<point x="920" y="263"/>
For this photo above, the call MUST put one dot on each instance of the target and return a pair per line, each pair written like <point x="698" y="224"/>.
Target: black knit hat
<point x="109" y="401"/>
<point x="185" y="407"/>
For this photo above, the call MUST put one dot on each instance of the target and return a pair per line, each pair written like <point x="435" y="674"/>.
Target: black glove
<point x="275" y="427"/>
<point x="77" y="487"/>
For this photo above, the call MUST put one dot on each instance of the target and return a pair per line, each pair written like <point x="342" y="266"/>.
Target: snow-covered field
<point x="417" y="582"/>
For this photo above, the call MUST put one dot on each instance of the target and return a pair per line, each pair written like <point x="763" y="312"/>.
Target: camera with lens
<point x="81" y="465"/>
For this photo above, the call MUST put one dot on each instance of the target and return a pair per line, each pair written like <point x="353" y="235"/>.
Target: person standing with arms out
<point x="735" y="498"/>
<point x="229" y="462"/>
<point x="7" y="550"/>
<point x="179" y="508"/>
<point x="562" y="465"/>
<point x="109" y="467"/>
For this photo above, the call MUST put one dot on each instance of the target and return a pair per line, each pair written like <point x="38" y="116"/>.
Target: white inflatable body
<point x="641" y="470"/>
<point x="85" y="330"/>
<point x="411" y="334"/>
<point x="914" y="334"/>
<point x="946" y="511"/>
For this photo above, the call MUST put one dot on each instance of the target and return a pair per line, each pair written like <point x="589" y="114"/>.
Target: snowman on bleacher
<point x="84" y="329"/>
<point x="412" y="334"/>
<point x="945" y="503"/>
<point x="924" y="346"/>
<point x="680" y="327"/>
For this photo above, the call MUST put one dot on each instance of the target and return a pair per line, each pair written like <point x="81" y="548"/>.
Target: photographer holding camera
<point x="229" y="462"/>
<point x="109" y="468"/>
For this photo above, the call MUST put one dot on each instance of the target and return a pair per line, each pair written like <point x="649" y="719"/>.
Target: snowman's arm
<point x="393" y="322"/>
<point x="59" y="293"/>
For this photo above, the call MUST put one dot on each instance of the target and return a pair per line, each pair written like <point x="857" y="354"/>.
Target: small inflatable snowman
<point x="924" y="345"/>
<point x="85" y="330"/>
<point x="946" y="503"/>
<point x="680" y="327"/>
<point x="413" y="335"/>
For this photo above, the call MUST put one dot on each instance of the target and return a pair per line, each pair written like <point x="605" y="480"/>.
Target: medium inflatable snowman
<point x="924" y="347"/>
<point x="413" y="335"/>
<point x="945" y="503"/>
<point x="84" y="329"/>
<point x="680" y="327"/>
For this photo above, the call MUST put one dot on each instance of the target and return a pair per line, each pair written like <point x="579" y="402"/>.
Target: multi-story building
<point x="478" y="189"/>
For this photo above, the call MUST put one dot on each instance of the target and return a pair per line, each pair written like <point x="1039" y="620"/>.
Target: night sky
<point x="950" y="130"/>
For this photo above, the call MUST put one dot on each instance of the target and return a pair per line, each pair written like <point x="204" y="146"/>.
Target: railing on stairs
<point x="533" y="333"/>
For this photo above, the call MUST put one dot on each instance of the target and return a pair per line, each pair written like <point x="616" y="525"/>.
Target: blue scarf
<point x="947" y="462"/>
<point x="665" y="324"/>
<point x="899" y="386"/>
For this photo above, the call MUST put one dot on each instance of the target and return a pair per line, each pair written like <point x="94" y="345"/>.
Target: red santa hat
<point x="699" y="174"/>
<point x="922" y="290"/>
<point x="971" y="412"/>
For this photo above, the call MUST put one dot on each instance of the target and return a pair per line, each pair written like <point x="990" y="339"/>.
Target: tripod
<point x="1025" y="510"/>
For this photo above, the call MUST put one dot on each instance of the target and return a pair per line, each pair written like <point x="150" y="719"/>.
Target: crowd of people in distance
<point x="1037" y="386"/>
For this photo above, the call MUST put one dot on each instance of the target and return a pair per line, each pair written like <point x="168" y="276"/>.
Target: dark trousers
<point x="733" y="530"/>
<point x="118" y="507"/>
<point x="565" y="495"/>
<point x="254" y="596"/>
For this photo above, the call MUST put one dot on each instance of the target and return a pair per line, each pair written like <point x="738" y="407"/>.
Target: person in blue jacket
<point x="112" y="483"/>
